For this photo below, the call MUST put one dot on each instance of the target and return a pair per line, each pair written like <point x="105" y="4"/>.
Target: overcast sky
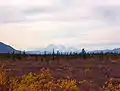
<point x="93" y="24"/>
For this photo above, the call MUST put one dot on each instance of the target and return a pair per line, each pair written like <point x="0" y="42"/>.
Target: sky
<point x="92" y="24"/>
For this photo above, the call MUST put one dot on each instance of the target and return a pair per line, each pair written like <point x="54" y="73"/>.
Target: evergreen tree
<point x="83" y="53"/>
<point x="53" y="53"/>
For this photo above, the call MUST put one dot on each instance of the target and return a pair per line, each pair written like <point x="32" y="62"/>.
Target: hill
<point x="4" y="48"/>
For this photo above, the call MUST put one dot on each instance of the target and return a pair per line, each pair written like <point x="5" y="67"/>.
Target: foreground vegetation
<point x="43" y="81"/>
<point x="70" y="72"/>
<point x="36" y="82"/>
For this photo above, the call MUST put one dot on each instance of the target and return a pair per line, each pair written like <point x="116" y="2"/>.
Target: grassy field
<point x="94" y="72"/>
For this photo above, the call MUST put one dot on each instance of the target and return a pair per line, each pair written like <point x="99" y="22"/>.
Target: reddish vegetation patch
<point x="95" y="72"/>
<point x="116" y="61"/>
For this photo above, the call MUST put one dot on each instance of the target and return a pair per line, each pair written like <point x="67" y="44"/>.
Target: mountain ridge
<point x="5" y="48"/>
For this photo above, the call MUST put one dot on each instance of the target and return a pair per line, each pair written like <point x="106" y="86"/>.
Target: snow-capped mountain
<point x="51" y="47"/>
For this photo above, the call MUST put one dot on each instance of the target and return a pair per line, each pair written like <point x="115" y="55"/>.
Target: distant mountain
<point x="4" y="48"/>
<point x="55" y="47"/>
<point x="117" y="50"/>
<point x="49" y="49"/>
<point x="63" y="49"/>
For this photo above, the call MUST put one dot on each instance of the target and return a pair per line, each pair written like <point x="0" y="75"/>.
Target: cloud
<point x="109" y="14"/>
<point x="38" y="34"/>
<point x="59" y="10"/>
<point x="69" y="22"/>
<point x="56" y="10"/>
<point x="9" y="14"/>
<point x="37" y="10"/>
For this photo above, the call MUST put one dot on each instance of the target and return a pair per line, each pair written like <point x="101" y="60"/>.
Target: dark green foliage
<point x="53" y="54"/>
<point x="102" y="57"/>
<point x="83" y="53"/>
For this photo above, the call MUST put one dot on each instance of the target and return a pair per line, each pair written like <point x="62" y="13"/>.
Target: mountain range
<point x="116" y="50"/>
<point x="4" y="48"/>
<point x="49" y="49"/>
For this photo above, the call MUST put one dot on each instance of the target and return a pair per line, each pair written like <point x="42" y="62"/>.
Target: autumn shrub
<point x="4" y="81"/>
<point x="112" y="87"/>
<point x="42" y="81"/>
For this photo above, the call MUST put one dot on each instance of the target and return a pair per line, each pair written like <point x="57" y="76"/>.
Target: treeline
<point x="64" y="55"/>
